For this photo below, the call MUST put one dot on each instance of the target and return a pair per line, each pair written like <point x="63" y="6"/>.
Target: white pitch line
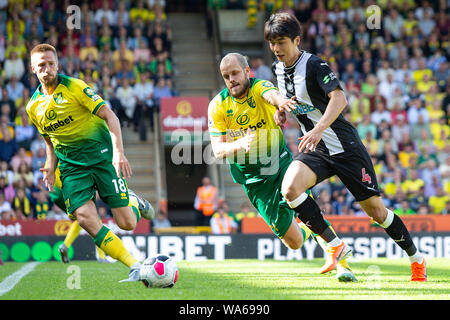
<point x="10" y="281"/>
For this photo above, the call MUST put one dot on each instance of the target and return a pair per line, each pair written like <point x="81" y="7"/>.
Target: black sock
<point x="309" y="213"/>
<point x="398" y="232"/>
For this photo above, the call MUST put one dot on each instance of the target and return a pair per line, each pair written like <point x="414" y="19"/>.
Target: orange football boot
<point x="334" y="255"/>
<point x="419" y="271"/>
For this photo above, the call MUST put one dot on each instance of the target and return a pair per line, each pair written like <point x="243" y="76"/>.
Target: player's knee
<point x="377" y="214"/>
<point x="125" y="218"/>
<point x="290" y="191"/>
<point x="126" y="224"/>
<point x="293" y="244"/>
<point x="375" y="209"/>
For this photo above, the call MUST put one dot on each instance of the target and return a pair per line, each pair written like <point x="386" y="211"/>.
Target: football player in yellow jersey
<point x="243" y="130"/>
<point x="84" y="137"/>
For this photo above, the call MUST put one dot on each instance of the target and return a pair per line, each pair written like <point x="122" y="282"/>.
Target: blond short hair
<point x="44" y="47"/>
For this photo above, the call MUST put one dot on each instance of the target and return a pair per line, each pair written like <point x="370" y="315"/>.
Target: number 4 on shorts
<point x="365" y="176"/>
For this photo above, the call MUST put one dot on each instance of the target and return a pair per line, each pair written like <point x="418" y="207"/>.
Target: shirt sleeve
<point x="325" y="77"/>
<point x="262" y="86"/>
<point x="88" y="97"/>
<point x="216" y="119"/>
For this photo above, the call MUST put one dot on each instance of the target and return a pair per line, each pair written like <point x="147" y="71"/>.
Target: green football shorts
<point x="79" y="185"/>
<point x="57" y="198"/>
<point x="266" y="196"/>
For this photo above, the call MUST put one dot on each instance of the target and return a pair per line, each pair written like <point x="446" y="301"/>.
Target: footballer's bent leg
<point x="398" y="232"/>
<point x="104" y="238"/>
<point x="125" y="217"/>
<point x="296" y="235"/>
<point x="87" y="217"/>
<point x="298" y="178"/>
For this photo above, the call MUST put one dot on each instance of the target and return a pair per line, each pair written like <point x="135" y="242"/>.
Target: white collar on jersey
<point x="296" y="62"/>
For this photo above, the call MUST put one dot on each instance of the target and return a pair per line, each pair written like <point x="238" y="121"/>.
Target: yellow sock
<point x="305" y="230"/>
<point x="134" y="204"/>
<point x="72" y="234"/>
<point x="113" y="246"/>
<point x="101" y="253"/>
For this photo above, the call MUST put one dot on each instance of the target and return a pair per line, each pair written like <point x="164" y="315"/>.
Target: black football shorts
<point x="354" y="168"/>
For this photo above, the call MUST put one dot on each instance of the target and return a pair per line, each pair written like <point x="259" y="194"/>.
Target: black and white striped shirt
<point x="310" y="80"/>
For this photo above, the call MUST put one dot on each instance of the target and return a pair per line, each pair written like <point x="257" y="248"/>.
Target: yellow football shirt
<point x="68" y="117"/>
<point x="231" y="117"/>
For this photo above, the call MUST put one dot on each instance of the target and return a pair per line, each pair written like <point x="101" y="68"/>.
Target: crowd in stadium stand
<point x="121" y="49"/>
<point x="396" y="77"/>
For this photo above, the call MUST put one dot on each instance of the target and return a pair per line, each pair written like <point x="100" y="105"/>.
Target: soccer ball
<point x="159" y="271"/>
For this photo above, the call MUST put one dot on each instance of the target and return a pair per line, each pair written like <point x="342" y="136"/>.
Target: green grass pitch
<point x="379" y="279"/>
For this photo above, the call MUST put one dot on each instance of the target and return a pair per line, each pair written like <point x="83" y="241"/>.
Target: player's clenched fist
<point x="246" y="141"/>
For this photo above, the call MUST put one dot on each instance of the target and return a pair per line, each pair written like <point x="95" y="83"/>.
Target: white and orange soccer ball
<point x="159" y="271"/>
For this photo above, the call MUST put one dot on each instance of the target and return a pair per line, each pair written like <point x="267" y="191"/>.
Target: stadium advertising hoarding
<point x="184" y="113"/>
<point x="220" y="247"/>
<point x="59" y="227"/>
<point x="363" y="224"/>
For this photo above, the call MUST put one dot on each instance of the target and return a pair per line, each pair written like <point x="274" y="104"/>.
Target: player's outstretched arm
<point x="120" y="162"/>
<point x="222" y="149"/>
<point x="275" y="98"/>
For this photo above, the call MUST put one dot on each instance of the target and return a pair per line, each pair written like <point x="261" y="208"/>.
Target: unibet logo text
<point x="241" y="132"/>
<point x="53" y="126"/>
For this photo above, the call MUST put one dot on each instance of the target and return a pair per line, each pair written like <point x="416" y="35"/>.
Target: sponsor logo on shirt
<point x="329" y="77"/>
<point x="303" y="108"/>
<point x="242" y="131"/>
<point x="53" y="126"/>
<point x="243" y="119"/>
<point x="91" y="94"/>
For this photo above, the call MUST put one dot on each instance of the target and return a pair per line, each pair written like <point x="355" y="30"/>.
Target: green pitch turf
<point x="379" y="279"/>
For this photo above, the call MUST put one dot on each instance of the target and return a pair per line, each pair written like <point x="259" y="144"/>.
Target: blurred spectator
<point x="8" y="146"/>
<point x="222" y="223"/>
<point x="144" y="95"/>
<point x="105" y="12"/>
<point x="25" y="131"/>
<point x="404" y="209"/>
<point x="127" y="97"/>
<point x="366" y="126"/>
<point x="38" y="159"/>
<point x="24" y="173"/>
<point x="88" y="50"/>
<point x="160" y="221"/>
<point x="6" y="212"/>
<point x="205" y="202"/>
<point x="14" y="66"/>
<point x="245" y="212"/>
<point x="22" y="204"/>
<point x="260" y="70"/>
<point x="20" y="157"/>
<point x="15" y="88"/>
<point x="6" y="189"/>
<point x="161" y="90"/>
<point x="42" y="205"/>
<point x="380" y="114"/>
<point x="439" y="202"/>
<point x="6" y="172"/>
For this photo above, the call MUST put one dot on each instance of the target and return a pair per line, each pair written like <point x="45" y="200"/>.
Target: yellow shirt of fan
<point x="68" y="117"/>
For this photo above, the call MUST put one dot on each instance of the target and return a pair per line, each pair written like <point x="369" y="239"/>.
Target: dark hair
<point x="282" y="25"/>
